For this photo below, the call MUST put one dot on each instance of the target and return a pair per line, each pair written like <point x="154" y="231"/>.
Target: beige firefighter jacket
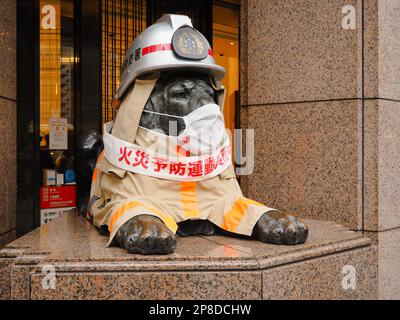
<point x="118" y="195"/>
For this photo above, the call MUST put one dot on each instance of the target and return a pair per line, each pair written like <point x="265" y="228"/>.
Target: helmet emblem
<point x="189" y="43"/>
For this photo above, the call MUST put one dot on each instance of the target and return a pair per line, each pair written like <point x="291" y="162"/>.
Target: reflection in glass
<point x="57" y="63"/>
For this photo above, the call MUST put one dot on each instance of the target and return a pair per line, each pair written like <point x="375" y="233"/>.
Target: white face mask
<point x="204" y="129"/>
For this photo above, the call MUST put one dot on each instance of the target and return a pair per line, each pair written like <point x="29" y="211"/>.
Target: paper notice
<point x="58" y="134"/>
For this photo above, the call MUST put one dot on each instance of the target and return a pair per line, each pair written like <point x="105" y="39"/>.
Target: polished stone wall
<point x="8" y="121"/>
<point x="303" y="88"/>
<point x="324" y="102"/>
<point x="382" y="139"/>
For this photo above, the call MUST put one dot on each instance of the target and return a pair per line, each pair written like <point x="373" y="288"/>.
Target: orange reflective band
<point x="95" y="172"/>
<point x="168" y="220"/>
<point x="233" y="217"/>
<point x="189" y="199"/>
<point x="121" y="210"/>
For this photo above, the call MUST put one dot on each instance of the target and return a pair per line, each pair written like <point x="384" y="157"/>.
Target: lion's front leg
<point x="280" y="228"/>
<point x="146" y="234"/>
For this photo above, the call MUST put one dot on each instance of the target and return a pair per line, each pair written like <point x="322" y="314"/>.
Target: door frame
<point x="28" y="121"/>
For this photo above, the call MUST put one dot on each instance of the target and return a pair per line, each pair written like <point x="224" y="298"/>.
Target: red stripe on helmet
<point x="156" y="47"/>
<point x="164" y="47"/>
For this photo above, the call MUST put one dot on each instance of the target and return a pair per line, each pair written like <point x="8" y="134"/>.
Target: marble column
<point x="320" y="85"/>
<point x="8" y="122"/>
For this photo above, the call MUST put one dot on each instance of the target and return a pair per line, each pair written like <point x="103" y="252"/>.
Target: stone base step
<point x="334" y="263"/>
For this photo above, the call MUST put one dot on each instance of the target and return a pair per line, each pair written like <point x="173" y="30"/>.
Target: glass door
<point x="57" y="112"/>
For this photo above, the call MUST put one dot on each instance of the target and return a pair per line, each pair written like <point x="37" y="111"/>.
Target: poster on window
<point x="57" y="197"/>
<point x="58" y="134"/>
<point x="47" y="215"/>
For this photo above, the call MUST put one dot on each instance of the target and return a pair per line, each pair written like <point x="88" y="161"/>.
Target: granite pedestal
<point x="202" y="267"/>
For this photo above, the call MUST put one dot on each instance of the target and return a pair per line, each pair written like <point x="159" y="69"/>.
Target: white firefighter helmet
<point x="170" y="43"/>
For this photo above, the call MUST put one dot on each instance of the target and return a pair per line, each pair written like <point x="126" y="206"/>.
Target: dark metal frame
<point x="88" y="70"/>
<point x="87" y="17"/>
<point x="28" y="136"/>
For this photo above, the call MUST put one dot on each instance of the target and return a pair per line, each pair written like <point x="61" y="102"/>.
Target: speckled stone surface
<point x="7" y="237"/>
<point x="382" y="166"/>
<point x="322" y="278"/>
<point x="311" y="157"/>
<point x="382" y="46"/>
<point x="298" y="51"/>
<point x="201" y="268"/>
<point x="8" y="170"/>
<point x="388" y="243"/>
<point x="8" y="49"/>
<point x="308" y="159"/>
<point x="8" y="121"/>
<point x="269" y="255"/>
<point x="149" y="285"/>
<point x="371" y="48"/>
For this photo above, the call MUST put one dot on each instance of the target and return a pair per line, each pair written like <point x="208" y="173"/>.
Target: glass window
<point x="226" y="51"/>
<point x="57" y="141"/>
<point x="122" y="21"/>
